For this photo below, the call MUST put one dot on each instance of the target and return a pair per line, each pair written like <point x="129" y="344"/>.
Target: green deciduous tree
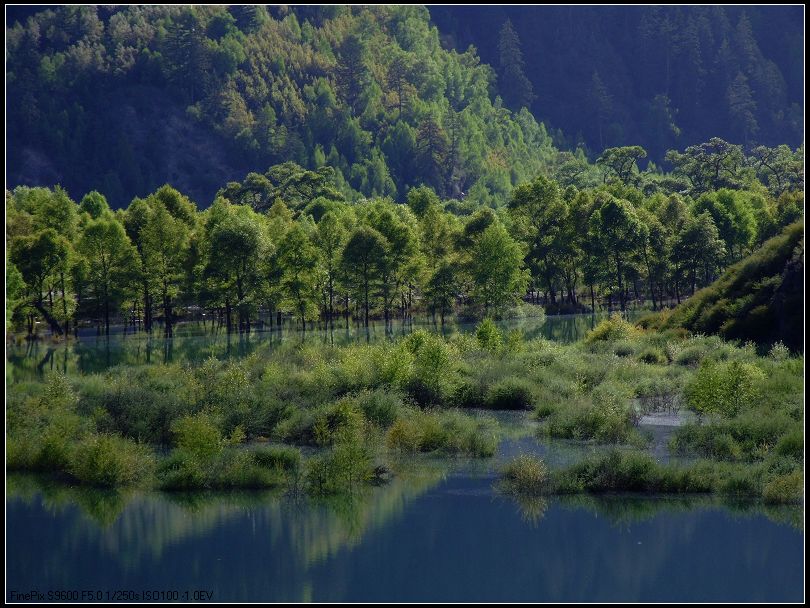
<point x="361" y="263"/>
<point x="496" y="268"/>
<point x="110" y="263"/>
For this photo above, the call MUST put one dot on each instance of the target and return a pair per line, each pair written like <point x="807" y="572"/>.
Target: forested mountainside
<point x="661" y="77"/>
<point x="124" y="99"/>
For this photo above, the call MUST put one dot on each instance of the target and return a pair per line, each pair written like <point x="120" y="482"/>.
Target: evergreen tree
<point x="515" y="86"/>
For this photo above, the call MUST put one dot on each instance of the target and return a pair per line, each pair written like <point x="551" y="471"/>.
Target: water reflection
<point x="29" y="360"/>
<point x="426" y="536"/>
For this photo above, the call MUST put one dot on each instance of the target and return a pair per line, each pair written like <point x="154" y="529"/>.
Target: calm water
<point x="91" y="354"/>
<point x="435" y="535"/>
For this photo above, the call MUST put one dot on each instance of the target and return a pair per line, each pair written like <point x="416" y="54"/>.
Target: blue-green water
<point x="437" y="535"/>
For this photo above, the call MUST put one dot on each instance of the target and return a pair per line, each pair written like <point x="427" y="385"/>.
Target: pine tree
<point x="602" y="103"/>
<point x="352" y="71"/>
<point x="515" y="86"/>
<point x="432" y="151"/>
<point x="742" y="107"/>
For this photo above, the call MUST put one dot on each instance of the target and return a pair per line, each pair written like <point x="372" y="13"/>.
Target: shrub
<point x="510" y="394"/>
<point x="690" y="355"/>
<point x="605" y="417"/>
<point x="779" y="352"/>
<point x="432" y="370"/>
<point x="614" y="471"/>
<point x="450" y="432"/>
<point x="526" y="475"/>
<point x="624" y="348"/>
<point x="344" y="466"/>
<point x="653" y="356"/>
<point x="725" y="388"/>
<point x="198" y="436"/>
<point x="110" y="461"/>
<point x="469" y="392"/>
<point x="612" y="329"/>
<point x="236" y="468"/>
<point x="724" y="447"/>
<point x="341" y="417"/>
<point x="489" y="336"/>
<point x="785" y="488"/>
<point x="380" y="406"/>
<point x="791" y="444"/>
<point x="298" y="428"/>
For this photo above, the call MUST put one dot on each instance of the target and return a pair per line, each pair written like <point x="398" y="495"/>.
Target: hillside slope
<point x="760" y="298"/>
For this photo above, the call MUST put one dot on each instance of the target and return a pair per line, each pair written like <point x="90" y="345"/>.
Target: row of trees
<point x="287" y="242"/>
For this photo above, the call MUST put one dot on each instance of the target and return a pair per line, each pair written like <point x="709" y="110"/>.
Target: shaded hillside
<point x="124" y="99"/>
<point x="760" y="298"/>
<point x="660" y="77"/>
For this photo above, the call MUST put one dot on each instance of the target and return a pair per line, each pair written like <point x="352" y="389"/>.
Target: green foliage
<point x="785" y="488"/>
<point x="347" y="403"/>
<point x="447" y="432"/>
<point x="278" y="457"/>
<point x="489" y="336"/>
<point x="110" y="461"/>
<point x="497" y="269"/>
<point x="725" y="388"/>
<point x="198" y="436"/>
<point x="612" y="329"/>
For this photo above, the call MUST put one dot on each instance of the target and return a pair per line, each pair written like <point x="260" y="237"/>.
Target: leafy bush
<point x="725" y="388"/>
<point x="380" y="406"/>
<point x="653" y="356"/>
<point x="110" y="461"/>
<point x="607" y="416"/>
<point x="612" y="329"/>
<point x="198" y="436"/>
<point x="489" y="336"/>
<point x="791" y="444"/>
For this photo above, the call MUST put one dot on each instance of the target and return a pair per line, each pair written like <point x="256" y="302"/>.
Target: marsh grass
<point x="446" y="432"/>
<point x="361" y="404"/>
<point x="637" y="472"/>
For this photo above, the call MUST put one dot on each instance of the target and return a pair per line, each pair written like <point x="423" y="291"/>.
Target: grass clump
<point x="282" y="458"/>
<point x="525" y="475"/>
<point x="447" y="432"/>
<point x="511" y="393"/>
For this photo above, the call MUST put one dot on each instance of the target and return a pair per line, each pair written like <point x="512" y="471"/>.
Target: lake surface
<point x="30" y="360"/>
<point x="437" y="534"/>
